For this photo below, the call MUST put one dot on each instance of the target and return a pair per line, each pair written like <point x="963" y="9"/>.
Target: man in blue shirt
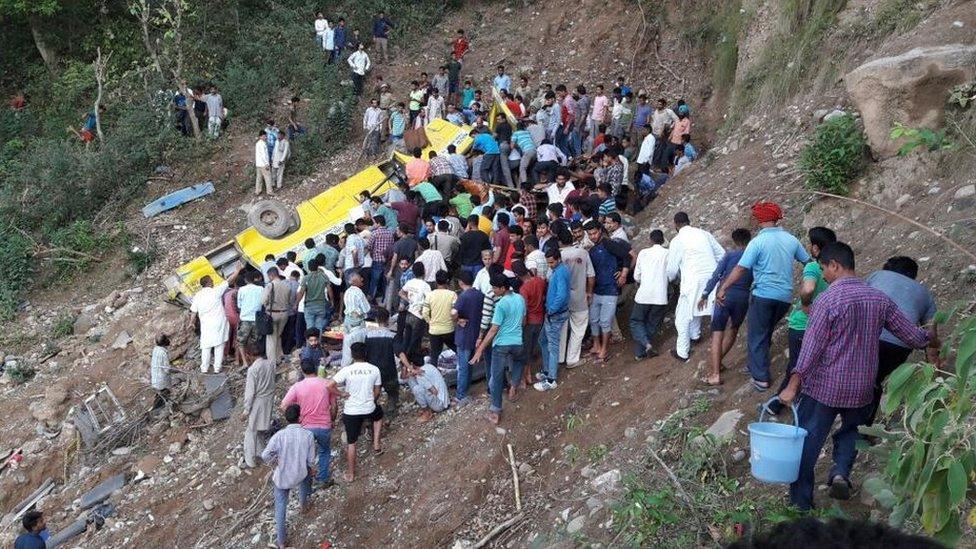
<point x="505" y="337"/>
<point x="611" y="263"/>
<point x="491" y="167"/>
<point x="338" y="40"/>
<point x="728" y="316"/>
<point x="34" y="525"/>
<point x="770" y="256"/>
<point x="502" y="81"/>
<point x="381" y="32"/>
<point x="557" y="312"/>
<point x="897" y="280"/>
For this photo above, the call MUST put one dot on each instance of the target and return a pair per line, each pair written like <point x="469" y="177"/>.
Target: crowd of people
<point x="512" y="262"/>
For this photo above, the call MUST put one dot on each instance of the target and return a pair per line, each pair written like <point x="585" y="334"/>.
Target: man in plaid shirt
<point x="836" y="371"/>
<point x="380" y="249"/>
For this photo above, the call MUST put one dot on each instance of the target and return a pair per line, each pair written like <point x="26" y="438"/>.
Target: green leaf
<point x="964" y="356"/>
<point x="957" y="482"/>
<point x="874" y="485"/>
<point x="886" y="498"/>
<point x="899" y="377"/>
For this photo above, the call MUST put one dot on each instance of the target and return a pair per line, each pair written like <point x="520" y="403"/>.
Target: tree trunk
<point x="48" y="54"/>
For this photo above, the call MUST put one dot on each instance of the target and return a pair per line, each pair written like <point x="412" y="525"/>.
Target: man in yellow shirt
<point x="437" y="313"/>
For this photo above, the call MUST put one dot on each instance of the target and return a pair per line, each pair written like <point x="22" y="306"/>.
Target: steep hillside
<point x="613" y="438"/>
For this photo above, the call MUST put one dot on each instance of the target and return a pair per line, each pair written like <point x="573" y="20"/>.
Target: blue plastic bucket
<point x="775" y="449"/>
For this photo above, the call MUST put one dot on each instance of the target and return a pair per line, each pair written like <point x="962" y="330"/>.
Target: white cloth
<point x="620" y="234"/>
<point x="328" y="39"/>
<point x="159" y="369"/>
<point x="694" y="254"/>
<point x="208" y="304"/>
<point x="261" y="159"/>
<point x="537" y="260"/>
<point x="320" y="26"/>
<point x="435" y="108"/>
<point x="372" y="118"/>
<point x="548" y="152"/>
<point x="359" y="379"/>
<point x="646" y="152"/>
<point x="433" y="261"/>
<point x="359" y="62"/>
<point x="651" y="274"/>
<point x="557" y="195"/>
<point x="416" y="290"/>
<point x="687" y="324"/>
<point x="282" y="150"/>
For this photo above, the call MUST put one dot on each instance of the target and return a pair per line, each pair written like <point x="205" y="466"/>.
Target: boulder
<point x="723" y="429"/>
<point x="607" y="482"/>
<point x="965" y="196"/>
<point x="910" y="88"/>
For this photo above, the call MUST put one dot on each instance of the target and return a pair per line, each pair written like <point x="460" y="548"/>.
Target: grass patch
<point x="64" y="326"/>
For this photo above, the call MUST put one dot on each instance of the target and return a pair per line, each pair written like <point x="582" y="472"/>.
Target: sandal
<point x="760" y="386"/>
<point x="377" y="452"/>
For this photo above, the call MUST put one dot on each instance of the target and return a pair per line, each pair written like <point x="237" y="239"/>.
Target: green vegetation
<point x="64" y="326"/>
<point x="716" y="27"/>
<point x="930" y="453"/>
<point x="704" y="504"/>
<point x="835" y="156"/>
<point x="920" y="138"/>
<point x="64" y="194"/>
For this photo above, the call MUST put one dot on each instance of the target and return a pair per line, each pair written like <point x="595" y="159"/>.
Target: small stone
<point x="122" y="451"/>
<point x="819" y="114"/>
<point x="958" y="24"/>
<point x="208" y="504"/>
<point x="594" y="503"/>
<point x="683" y="402"/>
<point x="175" y="447"/>
<point x="588" y="472"/>
<point x="902" y="200"/>
<point x="233" y="472"/>
<point x="630" y="432"/>
<point x="575" y="525"/>
<point x="607" y="482"/>
<point x="122" y="340"/>
<point x="738" y="455"/>
<point x="836" y="113"/>
<point x="500" y="430"/>
<point x="782" y="166"/>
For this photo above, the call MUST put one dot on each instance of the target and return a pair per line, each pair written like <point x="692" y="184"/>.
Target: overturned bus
<point x="286" y="229"/>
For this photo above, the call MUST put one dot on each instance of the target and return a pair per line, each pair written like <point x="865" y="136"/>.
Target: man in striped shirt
<point x="836" y="371"/>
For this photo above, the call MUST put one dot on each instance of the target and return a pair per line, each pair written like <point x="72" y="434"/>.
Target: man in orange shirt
<point x="418" y="169"/>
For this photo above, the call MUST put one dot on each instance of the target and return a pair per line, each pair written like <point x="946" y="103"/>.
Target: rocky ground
<point x="450" y="481"/>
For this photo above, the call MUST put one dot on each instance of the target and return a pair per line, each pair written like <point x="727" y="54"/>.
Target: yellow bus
<point x="319" y="216"/>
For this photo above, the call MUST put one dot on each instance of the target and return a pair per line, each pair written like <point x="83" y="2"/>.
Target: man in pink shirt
<point x="319" y="407"/>
<point x="598" y="116"/>
<point x="418" y="169"/>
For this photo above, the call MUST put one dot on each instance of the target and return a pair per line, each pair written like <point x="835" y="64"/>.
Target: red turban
<point x="767" y="212"/>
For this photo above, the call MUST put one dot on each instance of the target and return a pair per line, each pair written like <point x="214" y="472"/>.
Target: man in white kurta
<point x="693" y="254"/>
<point x="208" y="307"/>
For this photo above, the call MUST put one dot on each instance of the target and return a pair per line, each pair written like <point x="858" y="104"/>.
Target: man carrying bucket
<point x="836" y="369"/>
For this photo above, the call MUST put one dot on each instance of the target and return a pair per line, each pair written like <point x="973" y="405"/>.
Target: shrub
<point x="76" y="246"/>
<point x="835" y="156"/>
<point x="17" y="270"/>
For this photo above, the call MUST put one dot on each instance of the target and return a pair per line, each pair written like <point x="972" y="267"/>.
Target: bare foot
<point x="492" y="417"/>
<point x="513" y="395"/>
<point x="347" y="477"/>
<point x="426" y="415"/>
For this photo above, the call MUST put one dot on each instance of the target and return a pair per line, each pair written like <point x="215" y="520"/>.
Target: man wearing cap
<point x="770" y="255"/>
<point x="505" y="337"/>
